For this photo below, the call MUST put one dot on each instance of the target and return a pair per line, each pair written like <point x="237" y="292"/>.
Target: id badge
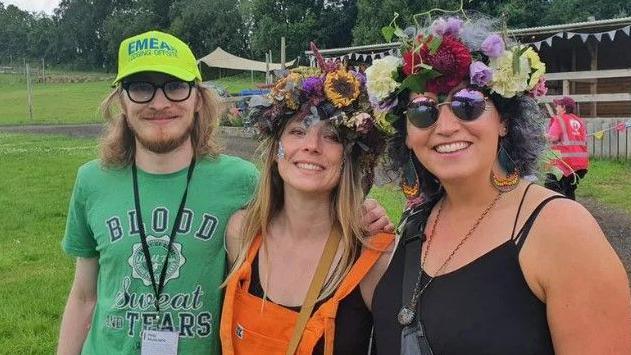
<point x="159" y="342"/>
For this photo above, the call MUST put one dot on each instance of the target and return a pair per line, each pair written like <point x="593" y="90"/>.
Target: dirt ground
<point x="615" y="223"/>
<point x="617" y="227"/>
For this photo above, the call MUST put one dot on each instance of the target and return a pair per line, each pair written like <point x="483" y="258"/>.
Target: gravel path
<point x="615" y="223"/>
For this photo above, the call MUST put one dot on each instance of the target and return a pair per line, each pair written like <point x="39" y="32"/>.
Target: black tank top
<point x="484" y="307"/>
<point x="353" y="322"/>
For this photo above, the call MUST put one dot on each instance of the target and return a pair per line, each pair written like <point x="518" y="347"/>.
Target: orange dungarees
<point x="249" y="326"/>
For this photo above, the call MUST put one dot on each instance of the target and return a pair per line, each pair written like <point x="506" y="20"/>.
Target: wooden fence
<point x="614" y="144"/>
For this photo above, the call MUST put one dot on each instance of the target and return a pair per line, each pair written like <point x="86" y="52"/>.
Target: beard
<point x="162" y="143"/>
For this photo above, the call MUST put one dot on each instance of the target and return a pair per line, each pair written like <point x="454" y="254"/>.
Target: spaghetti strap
<point x="524" y="231"/>
<point x="512" y="234"/>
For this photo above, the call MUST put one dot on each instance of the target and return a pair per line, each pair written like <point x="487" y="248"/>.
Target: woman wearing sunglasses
<point x="487" y="262"/>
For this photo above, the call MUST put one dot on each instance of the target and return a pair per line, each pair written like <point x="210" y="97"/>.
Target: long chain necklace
<point x="408" y="312"/>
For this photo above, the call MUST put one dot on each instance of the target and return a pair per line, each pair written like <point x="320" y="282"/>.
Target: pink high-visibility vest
<point x="572" y="145"/>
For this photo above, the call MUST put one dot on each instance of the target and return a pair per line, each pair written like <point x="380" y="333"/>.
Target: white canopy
<point x="222" y="59"/>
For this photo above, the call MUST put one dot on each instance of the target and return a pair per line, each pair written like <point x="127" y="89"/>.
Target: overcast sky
<point x="34" y="5"/>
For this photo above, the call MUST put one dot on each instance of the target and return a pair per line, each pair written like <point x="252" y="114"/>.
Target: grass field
<point x="36" y="177"/>
<point x="608" y="180"/>
<point x="57" y="103"/>
<point x="234" y="84"/>
<point x="71" y="103"/>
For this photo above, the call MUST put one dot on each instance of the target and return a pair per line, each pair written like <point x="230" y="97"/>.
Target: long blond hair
<point x="118" y="145"/>
<point x="346" y="206"/>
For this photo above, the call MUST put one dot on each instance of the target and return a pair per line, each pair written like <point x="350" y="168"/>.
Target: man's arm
<point x="375" y="218"/>
<point x="78" y="313"/>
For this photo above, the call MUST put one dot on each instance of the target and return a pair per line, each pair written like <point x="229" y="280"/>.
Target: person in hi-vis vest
<point x="568" y="137"/>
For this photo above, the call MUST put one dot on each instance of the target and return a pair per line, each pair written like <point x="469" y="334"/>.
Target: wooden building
<point x="589" y="61"/>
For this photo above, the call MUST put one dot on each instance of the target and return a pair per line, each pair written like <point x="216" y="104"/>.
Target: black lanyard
<point x="157" y="289"/>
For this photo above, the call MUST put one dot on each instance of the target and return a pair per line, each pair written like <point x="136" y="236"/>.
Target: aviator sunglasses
<point x="467" y="104"/>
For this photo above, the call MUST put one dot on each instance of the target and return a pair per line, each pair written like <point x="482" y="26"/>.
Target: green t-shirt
<point x="102" y="224"/>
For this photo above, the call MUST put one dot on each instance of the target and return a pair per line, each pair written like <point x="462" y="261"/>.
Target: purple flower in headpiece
<point x="313" y="86"/>
<point x="451" y="26"/>
<point x="439" y="26"/>
<point x="493" y="46"/>
<point x="480" y="74"/>
<point x="454" y="26"/>
<point x="360" y="76"/>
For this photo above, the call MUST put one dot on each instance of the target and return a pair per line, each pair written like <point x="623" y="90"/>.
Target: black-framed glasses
<point x="468" y="104"/>
<point x="142" y="92"/>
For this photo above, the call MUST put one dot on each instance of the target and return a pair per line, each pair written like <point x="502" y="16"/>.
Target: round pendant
<point x="406" y="316"/>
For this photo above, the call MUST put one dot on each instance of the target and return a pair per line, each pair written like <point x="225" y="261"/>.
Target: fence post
<point x="28" y="89"/>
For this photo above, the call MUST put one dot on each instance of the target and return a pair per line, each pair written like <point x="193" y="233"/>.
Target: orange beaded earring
<point x="505" y="183"/>
<point x="509" y="182"/>
<point x="410" y="184"/>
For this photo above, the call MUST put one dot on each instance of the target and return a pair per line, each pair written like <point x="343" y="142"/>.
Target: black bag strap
<point x="411" y="267"/>
<point x="412" y="239"/>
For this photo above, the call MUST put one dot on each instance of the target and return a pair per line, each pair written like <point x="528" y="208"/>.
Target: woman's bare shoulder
<point x="570" y="265"/>
<point x="566" y="244"/>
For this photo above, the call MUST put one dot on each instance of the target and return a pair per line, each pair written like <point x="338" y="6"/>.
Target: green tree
<point x="161" y="10"/>
<point x="14" y="32"/>
<point x="566" y="11"/>
<point x="372" y="15"/>
<point x="328" y="23"/>
<point x="335" y="25"/>
<point x="273" y="19"/>
<point x="40" y="42"/>
<point x="206" y="25"/>
<point x="369" y="20"/>
<point x="124" y="21"/>
<point x="80" y="33"/>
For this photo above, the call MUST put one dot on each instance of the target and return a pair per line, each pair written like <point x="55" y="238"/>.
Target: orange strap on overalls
<point x="250" y="325"/>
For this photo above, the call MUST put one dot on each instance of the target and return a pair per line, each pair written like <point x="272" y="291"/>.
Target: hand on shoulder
<point x="234" y="232"/>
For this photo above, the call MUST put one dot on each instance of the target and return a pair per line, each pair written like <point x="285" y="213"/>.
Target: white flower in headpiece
<point x="508" y="81"/>
<point x="380" y="81"/>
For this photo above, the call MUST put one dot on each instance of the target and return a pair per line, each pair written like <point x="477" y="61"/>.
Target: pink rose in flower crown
<point x="363" y="122"/>
<point x="540" y="89"/>
<point x="451" y="60"/>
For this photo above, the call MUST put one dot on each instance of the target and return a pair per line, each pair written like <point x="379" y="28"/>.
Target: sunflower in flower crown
<point x="330" y="92"/>
<point x="341" y="87"/>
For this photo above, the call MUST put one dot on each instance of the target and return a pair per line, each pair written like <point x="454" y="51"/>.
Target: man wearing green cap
<point x="146" y="221"/>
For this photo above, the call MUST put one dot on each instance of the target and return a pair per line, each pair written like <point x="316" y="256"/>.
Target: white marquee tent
<point x="222" y="59"/>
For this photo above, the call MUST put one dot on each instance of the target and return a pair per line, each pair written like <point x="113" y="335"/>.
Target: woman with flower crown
<point x="487" y="263"/>
<point x="304" y="268"/>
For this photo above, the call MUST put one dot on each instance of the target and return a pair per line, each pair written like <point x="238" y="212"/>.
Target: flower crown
<point x="442" y="57"/>
<point x="330" y="92"/>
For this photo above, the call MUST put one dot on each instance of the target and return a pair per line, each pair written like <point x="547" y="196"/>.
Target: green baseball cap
<point x="157" y="52"/>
